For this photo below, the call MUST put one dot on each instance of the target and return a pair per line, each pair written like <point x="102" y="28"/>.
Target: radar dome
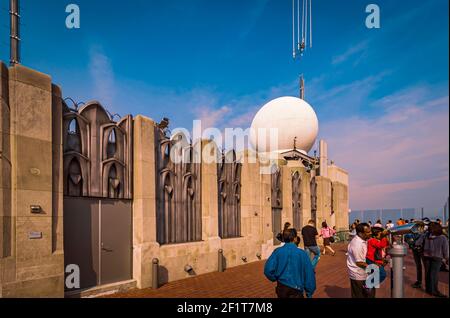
<point x="295" y="120"/>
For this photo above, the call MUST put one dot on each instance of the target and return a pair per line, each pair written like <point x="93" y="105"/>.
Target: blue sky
<point x="381" y="95"/>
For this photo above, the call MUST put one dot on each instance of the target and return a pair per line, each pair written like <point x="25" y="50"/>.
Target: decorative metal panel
<point x="229" y="191"/>
<point x="277" y="191"/>
<point x="333" y="199"/>
<point x="277" y="202"/>
<point x="297" y="200"/>
<point x="178" y="187"/>
<point x="97" y="153"/>
<point x="313" y="187"/>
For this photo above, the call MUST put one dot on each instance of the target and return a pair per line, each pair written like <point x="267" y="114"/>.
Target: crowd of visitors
<point x="294" y="267"/>
<point x="368" y="245"/>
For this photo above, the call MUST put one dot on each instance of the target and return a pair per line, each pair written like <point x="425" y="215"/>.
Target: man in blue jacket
<point x="291" y="268"/>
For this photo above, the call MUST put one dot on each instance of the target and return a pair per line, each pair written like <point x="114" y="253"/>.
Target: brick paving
<point x="248" y="281"/>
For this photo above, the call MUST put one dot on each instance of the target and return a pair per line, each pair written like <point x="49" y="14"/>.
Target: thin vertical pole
<point x="306" y="22"/>
<point x="15" y="32"/>
<point x="293" y="29"/>
<point x="302" y="87"/>
<point x="310" y="24"/>
<point x="100" y="243"/>
<point x="303" y="21"/>
<point x="298" y="22"/>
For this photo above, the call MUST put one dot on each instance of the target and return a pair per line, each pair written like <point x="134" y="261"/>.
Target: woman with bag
<point x="327" y="234"/>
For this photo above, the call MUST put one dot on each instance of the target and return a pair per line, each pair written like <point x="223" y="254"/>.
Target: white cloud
<point x="359" y="48"/>
<point x="209" y="117"/>
<point x="103" y="78"/>
<point x="400" y="158"/>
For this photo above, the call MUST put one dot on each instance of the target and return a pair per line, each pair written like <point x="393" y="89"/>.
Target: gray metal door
<point x="276" y="224"/>
<point x="98" y="238"/>
<point x="81" y="238"/>
<point x="116" y="242"/>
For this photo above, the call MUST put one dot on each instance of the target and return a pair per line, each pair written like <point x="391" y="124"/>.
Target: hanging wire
<point x="298" y="23"/>
<point x="303" y="21"/>
<point x="300" y="46"/>
<point x="310" y="24"/>
<point x="293" y="28"/>
<point x="306" y="22"/>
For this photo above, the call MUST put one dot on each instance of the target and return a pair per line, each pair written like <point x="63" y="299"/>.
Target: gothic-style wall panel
<point x="178" y="213"/>
<point x="97" y="153"/>
<point x="277" y="192"/>
<point x="333" y="199"/>
<point x="297" y="200"/>
<point x="277" y="202"/>
<point x="229" y="190"/>
<point x="313" y="186"/>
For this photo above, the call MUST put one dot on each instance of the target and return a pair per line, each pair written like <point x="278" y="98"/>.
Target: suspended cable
<point x="303" y="21"/>
<point x="298" y="23"/>
<point x="293" y="28"/>
<point x="306" y="23"/>
<point x="300" y="40"/>
<point x="310" y="24"/>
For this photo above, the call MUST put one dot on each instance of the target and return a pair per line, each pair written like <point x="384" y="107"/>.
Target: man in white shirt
<point x="356" y="262"/>
<point x="389" y="225"/>
<point x="378" y="224"/>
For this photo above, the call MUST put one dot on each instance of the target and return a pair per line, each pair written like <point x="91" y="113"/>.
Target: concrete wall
<point x="256" y="240"/>
<point x="336" y="173"/>
<point x="323" y="201"/>
<point x="256" y="221"/>
<point x="31" y="161"/>
<point x="5" y="176"/>
<point x="340" y="181"/>
<point x="31" y="267"/>
<point x="340" y="206"/>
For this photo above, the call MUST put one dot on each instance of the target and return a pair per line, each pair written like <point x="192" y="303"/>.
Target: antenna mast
<point x="14" y="12"/>
<point x="302" y="87"/>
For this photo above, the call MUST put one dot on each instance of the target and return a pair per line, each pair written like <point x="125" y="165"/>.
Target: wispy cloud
<point x="399" y="158"/>
<point x="359" y="49"/>
<point x="256" y="13"/>
<point x="343" y="100"/>
<point x="102" y="74"/>
<point x="210" y="117"/>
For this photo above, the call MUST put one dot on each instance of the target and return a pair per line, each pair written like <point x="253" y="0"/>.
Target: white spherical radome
<point x="294" y="119"/>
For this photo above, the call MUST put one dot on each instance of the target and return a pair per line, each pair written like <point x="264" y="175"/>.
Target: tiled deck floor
<point x="248" y="281"/>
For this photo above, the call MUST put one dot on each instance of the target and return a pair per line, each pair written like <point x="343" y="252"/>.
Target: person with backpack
<point x="327" y="234"/>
